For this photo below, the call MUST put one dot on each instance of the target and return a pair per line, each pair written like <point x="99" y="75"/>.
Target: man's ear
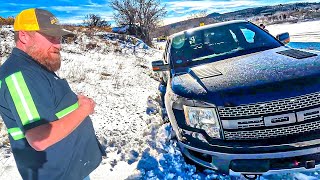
<point x="24" y="37"/>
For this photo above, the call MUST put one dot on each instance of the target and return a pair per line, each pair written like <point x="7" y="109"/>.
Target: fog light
<point x="195" y="135"/>
<point x="199" y="136"/>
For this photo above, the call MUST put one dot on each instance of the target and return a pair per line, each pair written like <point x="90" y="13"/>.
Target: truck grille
<point x="272" y="132"/>
<point x="282" y="105"/>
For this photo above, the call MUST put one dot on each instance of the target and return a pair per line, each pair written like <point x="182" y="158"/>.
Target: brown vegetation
<point x="6" y="21"/>
<point x="80" y="28"/>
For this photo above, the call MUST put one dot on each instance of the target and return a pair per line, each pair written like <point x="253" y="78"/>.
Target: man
<point x="49" y="128"/>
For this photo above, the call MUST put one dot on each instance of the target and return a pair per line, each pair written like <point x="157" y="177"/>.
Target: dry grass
<point x="6" y="21"/>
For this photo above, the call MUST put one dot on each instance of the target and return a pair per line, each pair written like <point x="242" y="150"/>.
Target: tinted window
<point x="217" y="43"/>
<point x="248" y="35"/>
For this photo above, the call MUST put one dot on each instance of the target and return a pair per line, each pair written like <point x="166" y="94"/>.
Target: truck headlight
<point x="203" y="118"/>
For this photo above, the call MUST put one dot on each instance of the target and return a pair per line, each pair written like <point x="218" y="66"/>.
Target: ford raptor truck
<point x="240" y="100"/>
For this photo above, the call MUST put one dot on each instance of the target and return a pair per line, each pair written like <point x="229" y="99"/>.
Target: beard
<point x="45" y="57"/>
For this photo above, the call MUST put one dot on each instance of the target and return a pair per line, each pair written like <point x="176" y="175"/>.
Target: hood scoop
<point x="206" y="71"/>
<point x="294" y="53"/>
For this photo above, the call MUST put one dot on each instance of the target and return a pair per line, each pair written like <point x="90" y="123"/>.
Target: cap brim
<point x="57" y="32"/>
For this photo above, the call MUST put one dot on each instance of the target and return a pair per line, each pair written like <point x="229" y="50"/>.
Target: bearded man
<point x="49" y="127"/>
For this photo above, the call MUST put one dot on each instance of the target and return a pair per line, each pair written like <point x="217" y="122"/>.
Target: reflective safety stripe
<point x="67" y="110"/>
<point x="22" y="98"/>
<point x="16" y="133"/>
<point x="0" y="84"/>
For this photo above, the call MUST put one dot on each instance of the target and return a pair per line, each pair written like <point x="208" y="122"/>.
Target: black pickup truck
<point x="240" y="100"/>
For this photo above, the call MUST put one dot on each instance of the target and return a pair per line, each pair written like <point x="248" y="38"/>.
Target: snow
<point x="299" y="32"/>
<point x="126" y="119"/>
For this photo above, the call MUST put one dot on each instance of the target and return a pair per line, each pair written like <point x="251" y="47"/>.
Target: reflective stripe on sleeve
<point x="22" y="98"/>
<point x="16" y="133"/>
<point x="0" y="84"/>
<point x="67" y="110"/>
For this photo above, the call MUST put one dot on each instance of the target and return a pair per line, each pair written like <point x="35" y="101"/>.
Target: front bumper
<point x="284" y="153"/>
<point x="259" y="163"/>
<point x="272" y="172"/>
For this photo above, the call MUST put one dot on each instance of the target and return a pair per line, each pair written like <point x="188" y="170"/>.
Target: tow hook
<point x="251" y="176"/>
<point x="310" y="164"/>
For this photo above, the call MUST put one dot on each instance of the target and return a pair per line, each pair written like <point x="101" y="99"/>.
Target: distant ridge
<point x="259" y="11"/>
<point x="213" y="15"/>
<point x="267" y="14"/>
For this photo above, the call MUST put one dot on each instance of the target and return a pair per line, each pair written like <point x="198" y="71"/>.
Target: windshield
<point x="217" y="43"/>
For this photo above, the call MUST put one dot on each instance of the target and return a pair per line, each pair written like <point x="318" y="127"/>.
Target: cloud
<point x="212" y="6"/>
<point x="18" y="4"/>
<point x="174" y="19"/>
<point x="66" y="8"/>
<point x="97" y="3"/>
<point x="94" y="5"/>
<point x="74" y="20"/>
<point x="6" y="11"/>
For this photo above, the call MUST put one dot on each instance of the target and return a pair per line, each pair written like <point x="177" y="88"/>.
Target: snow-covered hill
<point x="138" y="144"/>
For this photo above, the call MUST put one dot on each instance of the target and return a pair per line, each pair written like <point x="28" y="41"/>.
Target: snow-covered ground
<point x="299" y="32"/>
<point x="138" y="144"/>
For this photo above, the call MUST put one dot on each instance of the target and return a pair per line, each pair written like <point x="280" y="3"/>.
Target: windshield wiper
<point x="260" y="48"/>
<point x="185" y="64"/>
<point x="205" y="57"/>
<point x="195" y="77"/>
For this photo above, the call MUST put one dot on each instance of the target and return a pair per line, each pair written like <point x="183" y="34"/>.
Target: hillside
<point x="267" y="15"/>
<point x="289" y="9"/>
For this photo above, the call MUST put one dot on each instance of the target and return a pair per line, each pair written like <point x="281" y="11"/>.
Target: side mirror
<point x="284" y="37"/>
<point x="159" y="66"/>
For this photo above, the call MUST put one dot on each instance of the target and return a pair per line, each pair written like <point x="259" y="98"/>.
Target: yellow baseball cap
<point x="39" y="20"/>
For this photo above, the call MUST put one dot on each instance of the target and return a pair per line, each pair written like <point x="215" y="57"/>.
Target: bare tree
<point x="94" y="20"/>
<point x="126" y="11"/>
<point x="144" y="14"/>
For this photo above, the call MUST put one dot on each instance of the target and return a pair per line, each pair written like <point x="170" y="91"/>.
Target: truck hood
<point x="251" y="78"/>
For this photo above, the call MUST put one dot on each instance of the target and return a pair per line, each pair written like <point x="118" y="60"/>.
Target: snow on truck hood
<point x="255" y="77"/>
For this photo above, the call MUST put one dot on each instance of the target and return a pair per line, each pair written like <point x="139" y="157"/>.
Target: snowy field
<point x="299" y="32"/>
<point x="126" y="119"/>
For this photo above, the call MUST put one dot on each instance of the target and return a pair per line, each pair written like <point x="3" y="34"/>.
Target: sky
<point x="74" y="11"/>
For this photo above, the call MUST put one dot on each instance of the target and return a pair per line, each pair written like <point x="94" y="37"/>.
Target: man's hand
<point x="86" y="104"/>
<point x="44" y="136"/>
